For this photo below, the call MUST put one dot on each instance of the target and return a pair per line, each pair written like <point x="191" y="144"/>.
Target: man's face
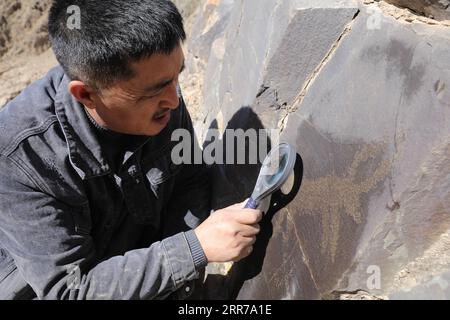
<point x="142" y="105"/>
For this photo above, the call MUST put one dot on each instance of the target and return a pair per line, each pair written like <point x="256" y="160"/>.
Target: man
<point x="91" y="204"/>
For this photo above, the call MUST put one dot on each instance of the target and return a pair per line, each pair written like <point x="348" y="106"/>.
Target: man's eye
<point x="144" y="98"/>
<point x="151" y="96"/>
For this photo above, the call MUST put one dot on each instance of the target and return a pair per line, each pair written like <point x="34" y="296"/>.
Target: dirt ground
<point x="24" y="49"/>
<point x="25" y="53"/>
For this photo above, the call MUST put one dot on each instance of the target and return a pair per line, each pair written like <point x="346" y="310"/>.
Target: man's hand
<point x="229" y="234"/>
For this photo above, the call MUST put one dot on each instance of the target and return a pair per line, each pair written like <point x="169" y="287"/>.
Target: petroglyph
<point x="343" y="195"/>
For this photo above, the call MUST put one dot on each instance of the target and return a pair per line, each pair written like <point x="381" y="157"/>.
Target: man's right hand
<point x="229" y="234"/>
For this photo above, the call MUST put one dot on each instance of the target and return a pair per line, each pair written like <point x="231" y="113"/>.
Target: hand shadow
<point x="233" y="184"/>
<point x="251" y="266"/>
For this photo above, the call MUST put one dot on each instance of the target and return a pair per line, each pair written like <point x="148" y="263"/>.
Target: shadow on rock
<point x="232" y="184"/>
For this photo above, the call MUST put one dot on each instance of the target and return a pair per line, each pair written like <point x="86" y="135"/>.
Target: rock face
<point x="438" y="9"/>
<point x="189" y="10"/>
<point x="365" y="98"/>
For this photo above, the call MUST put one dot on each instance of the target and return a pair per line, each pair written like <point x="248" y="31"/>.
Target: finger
<point x="239" y="205"/>
<point x="252" y="241"/>
<point x="248" y="216"/>
<point x="247" y="251"/>
<point x="249" y="230"/>
<point x="248" y="241"/>
<point x="243" y="203"/>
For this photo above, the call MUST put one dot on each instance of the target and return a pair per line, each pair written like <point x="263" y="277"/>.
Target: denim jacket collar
<point x="85" y="153"/>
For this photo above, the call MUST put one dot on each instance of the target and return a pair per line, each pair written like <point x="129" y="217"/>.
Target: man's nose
<point x="171" y="100"/>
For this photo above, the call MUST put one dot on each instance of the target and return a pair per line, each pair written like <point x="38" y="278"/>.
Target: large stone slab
<point x="375" y="126"/>
<point x="368" y="109"/>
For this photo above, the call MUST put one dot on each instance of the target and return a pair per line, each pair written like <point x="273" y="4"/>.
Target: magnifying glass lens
<point x="275" y="171"/>
<point x="273" y="178"/>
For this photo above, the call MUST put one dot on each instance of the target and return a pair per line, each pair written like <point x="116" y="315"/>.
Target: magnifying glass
<point x="277" y="172"/>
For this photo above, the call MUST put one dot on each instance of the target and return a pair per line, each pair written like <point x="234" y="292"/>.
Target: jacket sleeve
<point x="58" y="263"/>
<point x="190" y="199"/>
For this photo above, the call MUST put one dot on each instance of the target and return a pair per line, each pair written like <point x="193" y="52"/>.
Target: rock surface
<point x="438" y="9"/>
<point x="364" y="96"/>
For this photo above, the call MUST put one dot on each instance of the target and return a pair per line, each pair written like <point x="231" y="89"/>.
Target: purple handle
<point x="251" y="204"/>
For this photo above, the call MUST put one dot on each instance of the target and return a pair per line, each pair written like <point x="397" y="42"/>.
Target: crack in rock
<point x="301" y="96"/>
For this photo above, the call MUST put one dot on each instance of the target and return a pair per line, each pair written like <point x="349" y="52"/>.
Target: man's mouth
<point x="161" y="115"/>
<point x="162" y="118"/>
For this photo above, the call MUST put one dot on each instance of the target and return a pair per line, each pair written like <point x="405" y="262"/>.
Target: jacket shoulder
<point x="29" y="112"/>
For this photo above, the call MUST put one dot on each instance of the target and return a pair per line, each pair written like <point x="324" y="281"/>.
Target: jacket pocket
<point x="159" y="173"/>
<point x="147" y="188"/>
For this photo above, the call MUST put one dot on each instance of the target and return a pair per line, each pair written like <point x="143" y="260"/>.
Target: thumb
<point x="240" y="205"/>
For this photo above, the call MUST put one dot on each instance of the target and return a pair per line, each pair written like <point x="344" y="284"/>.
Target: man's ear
<point x="83" y="93"/>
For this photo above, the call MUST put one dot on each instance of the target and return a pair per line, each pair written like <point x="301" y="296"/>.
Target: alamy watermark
<point x="74" y="19"/>
<point x="375" y="15"/>
<point x="235" y="146"/>
<point x="374" y="280"/>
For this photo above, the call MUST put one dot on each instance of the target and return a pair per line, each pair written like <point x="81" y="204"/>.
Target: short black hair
<point x="112" y="34"/>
